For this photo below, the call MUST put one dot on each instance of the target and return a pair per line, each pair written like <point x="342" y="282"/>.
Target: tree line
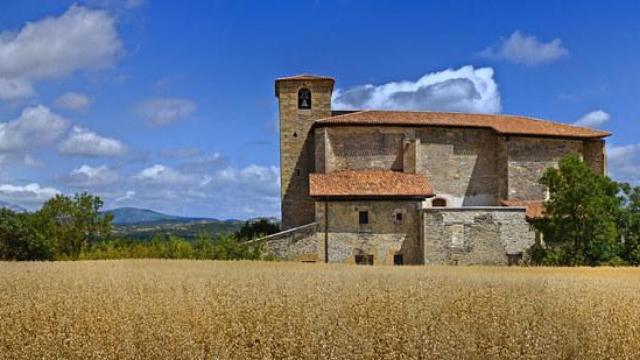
<point x="73" y="228"/>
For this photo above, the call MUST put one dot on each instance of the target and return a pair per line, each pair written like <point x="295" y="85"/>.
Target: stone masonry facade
<point x="472" y="162"/>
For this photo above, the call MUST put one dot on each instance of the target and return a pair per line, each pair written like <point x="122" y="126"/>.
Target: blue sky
<point x="170" y="105"/>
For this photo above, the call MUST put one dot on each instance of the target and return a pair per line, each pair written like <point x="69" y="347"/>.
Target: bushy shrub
<point x="224" y="247"/>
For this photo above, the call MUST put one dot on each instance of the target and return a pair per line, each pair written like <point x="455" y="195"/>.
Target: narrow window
<point x="364" y="259"/>
<point x="398" y="260"/>
<point x="297" y="172"/>
<point x="363" y="217"/>
<point x="304" y="99"/>
<point x="399" y="218"/>
<point x="439" y="202"/>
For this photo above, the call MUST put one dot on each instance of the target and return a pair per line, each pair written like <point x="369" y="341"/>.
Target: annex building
<point x="399" y="187"/>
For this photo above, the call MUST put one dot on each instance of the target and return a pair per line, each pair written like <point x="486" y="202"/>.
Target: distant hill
<point x="131" y="216"/>
<point x="12" y="207"/>
<point x="144" y="224"/>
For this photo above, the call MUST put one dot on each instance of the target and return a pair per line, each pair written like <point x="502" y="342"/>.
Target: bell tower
<point x="302" y="100"/>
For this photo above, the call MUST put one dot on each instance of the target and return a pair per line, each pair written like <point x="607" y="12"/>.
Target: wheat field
<point x="260" y="310"/>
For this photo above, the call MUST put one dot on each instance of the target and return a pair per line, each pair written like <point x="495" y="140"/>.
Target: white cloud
<point x="129" y="195"/>
<point x="525" y="49"/>
<point x="84" y="142"/>
<point x="36" y="126"/>
<point x="203" y="163"/>
<point x="72" y="101"/>
<point x="88" y="176"/>
<point x="593" y="119"/>
<point x="79" y="39"/>
<point x="230" y="192"/>
<point x="164" y="111"/>
<point x="11" y="89"/>
<point x="465" y="89"/>
<point x="163" y="175"/>
<point x="29" y="195"/>
<point x="623" y="162"/>
<point x="53" y="47"/>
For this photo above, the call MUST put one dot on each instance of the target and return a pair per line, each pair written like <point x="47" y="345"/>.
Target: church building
<point x="404" y="187"/>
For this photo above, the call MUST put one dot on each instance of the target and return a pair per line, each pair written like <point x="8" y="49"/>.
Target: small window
<point x="295" y="134"/>
<point x="364" y="259"/>
<point x="439" y="202"/>
<point x="398" y="260"/>
<point x="304" y="99"/>
<point x="297" y="172"/>
<point x="398" y="218"/>
<point x="363" y="217"/>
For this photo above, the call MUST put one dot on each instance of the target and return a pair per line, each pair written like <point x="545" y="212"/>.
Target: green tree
<point x="228" y="247"/>
<point x="581" y="216"/>
<point x="204" y="246"/>
<point x="73" y="222"/>
<point x="629" y="224"/>
<point x="20" y="240"/>
<point x="253" y="229"/>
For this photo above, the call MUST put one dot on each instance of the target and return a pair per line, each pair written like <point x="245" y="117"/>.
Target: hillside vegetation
<point x="178" y="309"/>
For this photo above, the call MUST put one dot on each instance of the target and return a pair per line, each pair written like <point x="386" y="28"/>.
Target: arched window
<point x="304" y="99"/>
<point x="438" y="202"/>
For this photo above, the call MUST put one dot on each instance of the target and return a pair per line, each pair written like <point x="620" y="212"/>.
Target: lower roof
<point x="369" y="183"/>
<point x="502" y="124"/>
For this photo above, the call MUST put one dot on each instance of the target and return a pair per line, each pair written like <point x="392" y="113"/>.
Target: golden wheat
<point x="242" y="310"/>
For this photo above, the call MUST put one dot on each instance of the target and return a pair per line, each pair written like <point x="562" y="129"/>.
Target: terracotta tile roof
<point x="302" y="77"/>
<point x="369" y="183"/>
<point x="535" y="208"/>
<point x="305" y="77"/>
<point x="502" y="124"/>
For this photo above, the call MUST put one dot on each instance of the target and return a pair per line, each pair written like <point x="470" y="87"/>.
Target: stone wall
<point x="528" y="158"/>
<point x="460" y="163"/>
<point x="484" y="235"/>
<point x="297" y="158"/>
<point x="296" y="244"/>
<point x="594" y="155"/>
<point x="357" y="148"/>
<point x="383" y="237"/>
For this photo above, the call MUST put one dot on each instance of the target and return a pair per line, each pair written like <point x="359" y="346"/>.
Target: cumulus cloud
<point x="525" y="49"/>
<point x="90" y="177"/>
<point x="593" y="119"/>
<point x="229" y="192"/>
<point x="72" y="101"/>
<point x="11" y="89"/>
<point x="36" y="126"/>
<point x="203" y="163"/>
<point x="164" y="111"/>
<point x="163" y="175"/>
<point x="465" y="89"/>
<point x="29" y="195"/>
<point x="83" y="142"/>
<point x="79" y="39"/>
<point x="129" y="195"/>
<point x="623" y="162"/>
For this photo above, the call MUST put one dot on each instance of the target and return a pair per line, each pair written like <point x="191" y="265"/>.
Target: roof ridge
<point x="501" y="123"/>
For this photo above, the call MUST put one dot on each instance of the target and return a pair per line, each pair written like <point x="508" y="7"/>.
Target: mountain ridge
<point x="12" y="207"/>
<point x="134" y="215"/>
